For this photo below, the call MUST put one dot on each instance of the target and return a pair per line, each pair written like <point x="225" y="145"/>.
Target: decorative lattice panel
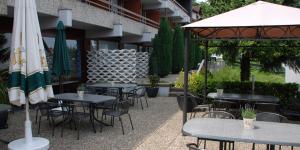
<point x="112" y="65"/>
<point x="142" y="64"/>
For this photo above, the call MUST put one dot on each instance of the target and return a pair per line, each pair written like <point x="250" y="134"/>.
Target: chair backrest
<point x="218" y="114"/>
<point x="46" y="107"/>
<point x="270" y="117"/>
<point x="123" y="106"/>
<point x="223" y="104"/>
<point x="113" y="92"/>
<point x="267" y="107"/>
<point x="140" y="91"/>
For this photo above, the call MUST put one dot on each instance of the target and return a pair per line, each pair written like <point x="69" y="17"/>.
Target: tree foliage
<point x="178" y="50"/>
<point x="161" y="57"/>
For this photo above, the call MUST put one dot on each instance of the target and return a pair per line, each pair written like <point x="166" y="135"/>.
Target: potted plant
<point x="219" y="87"/>
<point x="249" y="116"/>
<point x="80" y="90"/>
<point x="152" y="90"/>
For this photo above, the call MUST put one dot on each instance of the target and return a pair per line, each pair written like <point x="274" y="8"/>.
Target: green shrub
<point x="161" y="57"/>
<point x="287" y="93"/>
<point x="178" y="50"/>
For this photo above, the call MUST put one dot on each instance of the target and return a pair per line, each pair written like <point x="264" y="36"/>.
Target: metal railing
<point x="182" y="8"/>
<point x="105" y="5"/>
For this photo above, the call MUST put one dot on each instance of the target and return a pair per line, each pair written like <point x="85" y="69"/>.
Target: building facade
<point x="99" y="24"/>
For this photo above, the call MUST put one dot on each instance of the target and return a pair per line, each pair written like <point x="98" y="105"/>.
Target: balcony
<point x="113" y="8"/>
<point x="168" y="8"/>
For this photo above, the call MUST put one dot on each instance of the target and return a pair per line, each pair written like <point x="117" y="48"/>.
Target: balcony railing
<point x="182" y="8"/>
<point x="105" y="5"/>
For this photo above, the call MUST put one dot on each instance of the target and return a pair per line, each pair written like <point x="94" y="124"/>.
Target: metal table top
<point x="244" y="97"/>
<point x="232" y="130"/>
<point x="88" y="98"/>
<point x="4" y="107"/>
<point x="110" y="85"/>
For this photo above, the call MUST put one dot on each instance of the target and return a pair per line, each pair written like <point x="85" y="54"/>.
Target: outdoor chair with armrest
<point x="138" y="94"/>
<point x="270" y="117"/>
<point x="220" y="115"/>
<point x="76" y="113"/>
<point x="107" y="105"/>
<point x="47" y="109"/>
<point x="198" y="105"/>
<point x="120" y="109"/>
<point x="228" y="106"/>
<point x="267" y="107"/>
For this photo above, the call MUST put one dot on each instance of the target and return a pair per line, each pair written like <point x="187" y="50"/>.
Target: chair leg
<point x="40" y="118"/>
<point x="62" y="129"/>
<point x="141" y="103"/>
<point x="253" y="146"/>
<point x="121" y="125"/>
<point x="146" y="101"/>
<point x="36" y="116"/>
<point x="130" y="121"/>
<point x="78" y="128"/>
<point x="53" y="125"/>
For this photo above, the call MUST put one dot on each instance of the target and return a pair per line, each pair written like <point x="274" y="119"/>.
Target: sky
<point x="200" y="0"/>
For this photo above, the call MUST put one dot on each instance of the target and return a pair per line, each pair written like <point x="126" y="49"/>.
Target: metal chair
<point x="198" y="105"/>
<point x="76" y="113"/>
<point x="120" y="109"/>
<point x="266" y="107"/>
<point x="221" y="115"/>
<point x="228" y="106"/>
<point x="137" y="95"/>
<point x="46" y="109"/>
<point x="270" y="117"/>
<point x="193" y="146"/>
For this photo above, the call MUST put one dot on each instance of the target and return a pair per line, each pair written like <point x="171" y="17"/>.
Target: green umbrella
<point x="61" y="64"/>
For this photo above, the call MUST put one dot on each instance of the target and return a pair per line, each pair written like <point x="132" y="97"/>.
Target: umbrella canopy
<point x="61" y="64"/>
<point x="29" y="79"/>
<point x="259" y="20"/>
<point x="28" y="70"/>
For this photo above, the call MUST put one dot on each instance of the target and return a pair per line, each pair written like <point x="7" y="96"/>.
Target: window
<point x="74" y="54"/>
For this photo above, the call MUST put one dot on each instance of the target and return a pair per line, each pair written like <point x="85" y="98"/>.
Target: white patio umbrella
<point x="29" y="79"/>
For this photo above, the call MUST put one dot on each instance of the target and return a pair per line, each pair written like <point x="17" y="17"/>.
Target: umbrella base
<point x="36" y="144"/>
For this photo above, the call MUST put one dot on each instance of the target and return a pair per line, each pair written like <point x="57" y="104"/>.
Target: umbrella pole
<point x="28" y="129"/>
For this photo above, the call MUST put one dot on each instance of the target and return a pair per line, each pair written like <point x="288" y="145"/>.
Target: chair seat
<point x="80" y="114"/>
<point x="55" y="113"/>
<point x="113" y="113"/>
<point x="201" y="107"/>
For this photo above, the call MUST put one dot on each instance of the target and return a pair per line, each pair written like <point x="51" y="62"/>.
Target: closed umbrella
<point x="29" y="79"/>
<point x="61" y="64"/>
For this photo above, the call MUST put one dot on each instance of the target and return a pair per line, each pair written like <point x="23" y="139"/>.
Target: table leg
<point x="121" y="94"/>
<point x="91" y="117"/>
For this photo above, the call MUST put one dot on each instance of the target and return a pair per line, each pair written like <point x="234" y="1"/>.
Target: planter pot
<point x="189" y="104"/>
<point x="152" y="92"/>
<point x="248" y="123"/>
<point x="220" y="92"/>
<point x="3" y="119"/>
<point x="163" y="91"/>
<point x="80" y="94"/>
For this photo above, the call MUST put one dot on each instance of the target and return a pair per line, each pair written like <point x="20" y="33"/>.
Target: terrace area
<point x="156" y="127"/>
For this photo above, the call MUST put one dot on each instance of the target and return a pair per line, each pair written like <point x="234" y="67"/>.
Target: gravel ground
<point x="155" y="128"/>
